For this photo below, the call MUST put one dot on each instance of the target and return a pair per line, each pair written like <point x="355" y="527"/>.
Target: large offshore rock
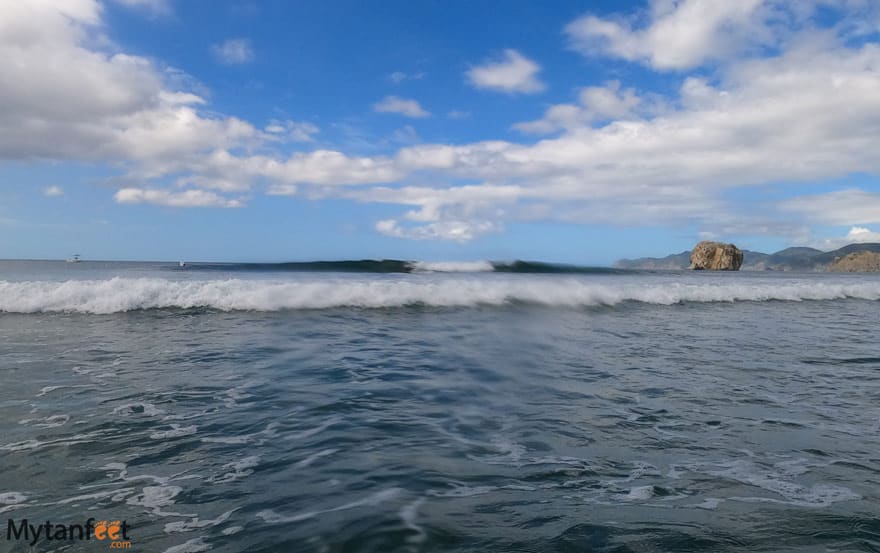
<point x="857" y="262"/>
<point x="716" y="256"/>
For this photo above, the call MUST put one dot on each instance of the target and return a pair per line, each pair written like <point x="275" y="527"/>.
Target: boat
<point x="74" y="259"/>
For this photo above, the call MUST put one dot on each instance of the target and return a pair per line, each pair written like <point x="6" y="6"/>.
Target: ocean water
<point x="467" y="408"/>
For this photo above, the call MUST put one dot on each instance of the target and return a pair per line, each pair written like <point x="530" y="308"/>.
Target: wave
<point x="452" y="266"/>
<point x="400" y="266"/>
<point x="130" y="294"/>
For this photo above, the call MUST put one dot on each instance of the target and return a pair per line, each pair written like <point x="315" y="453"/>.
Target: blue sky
<point x="561" y="131"/>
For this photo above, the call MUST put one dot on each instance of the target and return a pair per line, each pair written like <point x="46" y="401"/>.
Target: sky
<point x="577" y="132"/>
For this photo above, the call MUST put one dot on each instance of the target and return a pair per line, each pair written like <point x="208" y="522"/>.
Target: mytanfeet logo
<point x="114" y="532"/>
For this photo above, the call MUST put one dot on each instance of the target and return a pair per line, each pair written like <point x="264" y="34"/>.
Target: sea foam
<point x="130" y="294"/>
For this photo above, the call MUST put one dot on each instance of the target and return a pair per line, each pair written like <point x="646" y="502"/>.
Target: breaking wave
<point x="130" y="294"/>
<point x="399" y="266"/>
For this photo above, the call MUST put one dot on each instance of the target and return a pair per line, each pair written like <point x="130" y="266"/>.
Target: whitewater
<point x="119" y="294"/>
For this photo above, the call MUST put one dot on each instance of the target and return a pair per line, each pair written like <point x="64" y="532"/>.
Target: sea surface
<point x="475" y="407"/>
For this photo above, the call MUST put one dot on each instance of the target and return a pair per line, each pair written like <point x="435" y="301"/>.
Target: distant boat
<point x="182" y="264"/>
<point x="74" y="259"/>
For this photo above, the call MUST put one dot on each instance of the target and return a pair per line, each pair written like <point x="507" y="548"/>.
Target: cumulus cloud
<point x="678" y="34"/>
<point x="806" y="112"/>
<point x="458" y="231"/>
<point x="234" y="51"/>
<point x="862" y="235"/>
<point x="94" y="105"/>
<point x="856" y="235"/>
<point x="401" y="106"/>
<point x="53" y="191"/>
<point x="91" y="105"/>
<point x="184" y="198"/>
<point x="513" y="73"/>
<point x="596" y="103"/>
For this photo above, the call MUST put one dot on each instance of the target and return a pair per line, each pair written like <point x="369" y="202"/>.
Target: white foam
<point x="155" y="498"/>
<point x="176" y="431"/>
<point x="126" y="294"/>
<point x="240" y="469"/>
<point x="123" y="474"/>
<point x="11" y="500"/>
<point x="52" y="421"/>
<point x="98" y="495"/>
<point x="640" y="493"/>
<point x="38" y="444"/>
<point x="49" y="389"/>
<point x="314" y="457"/>
<point x="781" y="483"/>
<point x="196" y="523"/>
<point x="453" y="266"/>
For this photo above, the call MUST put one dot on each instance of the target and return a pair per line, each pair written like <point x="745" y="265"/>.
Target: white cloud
<point x="53" y="191"/>
<point x="399" y="76"/>
<point x="406" y="135"/>
<point x="234" y="51"/>
<point x="856" y="235"/>
<point x="90" y="105"/>
<point x="862" y="235"/>
<point x="596" y="103"/>
<point x="808" y="113"/>
<point x="322" y="168"/>
<point x="458" y="114"/>
<point x="402" y="106"/>
<point x="678" y="35"/>
<point x="185" y="198"/>
<point x="841" y="207"/>
<point x="156" y="7"/>
<point x="295" y="131"/>
<point x="458" y="231"/>
<point x="282" y="190"/>
<point x="514" y="73"/>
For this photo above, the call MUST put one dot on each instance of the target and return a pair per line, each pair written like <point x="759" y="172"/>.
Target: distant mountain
<point x="670" y="262"/>
<point x="789" y="259"/>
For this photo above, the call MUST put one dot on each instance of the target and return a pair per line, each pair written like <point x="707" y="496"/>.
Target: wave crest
<point x="129" y="294"/>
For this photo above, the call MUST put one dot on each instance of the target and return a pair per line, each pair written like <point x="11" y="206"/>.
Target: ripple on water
<point x="239" y="469"/>
<point x="155" y="498"/>
<point x="272" y="517"/>
<point x="195" y="545"/>
<point x="11" y="500"/>
<point x="176" y="431"/>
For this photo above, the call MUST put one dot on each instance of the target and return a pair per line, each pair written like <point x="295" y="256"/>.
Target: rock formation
<point x="857" y="262"/>
<point x="716" y="256"/>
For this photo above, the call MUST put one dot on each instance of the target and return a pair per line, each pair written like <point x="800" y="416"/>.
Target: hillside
<point x="789" y="259"/>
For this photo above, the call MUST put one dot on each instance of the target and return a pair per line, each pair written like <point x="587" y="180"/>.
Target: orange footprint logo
<point x="101" y="529"/>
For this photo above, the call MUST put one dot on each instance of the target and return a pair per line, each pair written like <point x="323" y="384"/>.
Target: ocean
<point x="473" y="407"/>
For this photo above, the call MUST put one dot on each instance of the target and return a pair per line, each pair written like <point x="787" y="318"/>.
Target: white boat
<point x="74" y="259"/>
